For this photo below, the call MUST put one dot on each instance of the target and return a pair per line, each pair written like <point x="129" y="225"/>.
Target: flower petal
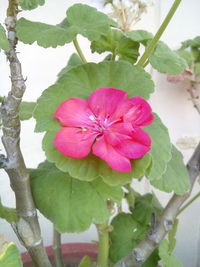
<point x="74" y="142"/>
<point x="137" y="111"/>
<point x="118" y="133"/>
<point x="104" y="101"/>
<point x="114" y="159"/>
<point x="74" y="112"/>
<point x="137" y="147"/>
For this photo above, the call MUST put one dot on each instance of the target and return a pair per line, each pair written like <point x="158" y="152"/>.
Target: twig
<point x="195" y="97"/>
<point x="144" y="249"/>
<point x="27" y="226"/>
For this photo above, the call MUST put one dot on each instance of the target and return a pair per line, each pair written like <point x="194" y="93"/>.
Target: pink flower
<point x="108" y="123"/>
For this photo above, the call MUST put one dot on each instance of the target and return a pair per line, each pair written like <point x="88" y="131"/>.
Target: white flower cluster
<point x="127" y="12"/>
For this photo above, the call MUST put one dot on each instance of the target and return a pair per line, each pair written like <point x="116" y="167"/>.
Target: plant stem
<point x="146" y="63"/>
<point x="57" y="249"/>
<point x="188" y="204"/>
<point x="159" y="33"/>
<point x="79" y="51"/>
<point x="26" y="226"/>
<point x="103" y="247"/>
<point x="113" y="57"/>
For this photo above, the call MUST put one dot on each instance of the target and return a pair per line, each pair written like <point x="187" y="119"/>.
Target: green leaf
<point x="86" y="169"/>
<point x="168" y="259"/>
<point x="112" y="177"/>
<point x="191" y="43"/>
<point x="46" y="35"/>
<point x="126" y="233"/>
<point x="130" y="197"/>
<point x="88" y="21"/>
<point x="153" y="260"/>
<point x="80" y="20"/>
<point x="175" y="179"/>
<point x="70" y="204"/>
<point x="117" y="43"/>
<point x="30" y="4"/>
<point x="145" y="206"/>
<point x="197" y="68"/>
<point x="128" y="50"/>
<point x="164" y="60"/>
<point x="74" y="61"/>
<point x="160" y="150"/>
<point x="172" y="236"/>
<point x="91" y="167"/>
<point x="140" y="36"/>
<point x="196" y="53"/>
<point x="107" y="42"/>
<point x="10" y="256"/>
<point x="8" y="214"/>
<point x="85" y="262"/>
<point x="186" y="55"/>
<point x="26" y="110"/>
<point x="4" y="44"/>
<point x="80" y="82"/>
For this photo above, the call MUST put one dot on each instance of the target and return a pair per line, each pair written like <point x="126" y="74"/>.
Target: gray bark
<point x="27" y="226"/>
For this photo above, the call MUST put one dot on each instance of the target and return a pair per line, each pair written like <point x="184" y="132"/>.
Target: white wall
<point x="170" y="101"/>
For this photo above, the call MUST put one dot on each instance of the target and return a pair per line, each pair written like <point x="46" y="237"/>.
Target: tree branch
<point x="27" y="226"/>
<point x="144" y="249"/>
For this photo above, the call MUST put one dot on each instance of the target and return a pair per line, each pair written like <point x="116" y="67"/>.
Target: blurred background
<point x="171" y="101"/>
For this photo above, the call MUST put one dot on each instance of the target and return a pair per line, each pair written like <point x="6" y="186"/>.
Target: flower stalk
<point x="188" y="203"/>
<point x="154" y="41"/>
<point x="103" y="244"/>
<point x="57" y="249"/>
<point x="79" y="51"/>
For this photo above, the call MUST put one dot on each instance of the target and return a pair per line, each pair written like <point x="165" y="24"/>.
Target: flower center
<point x="99" y="125"/>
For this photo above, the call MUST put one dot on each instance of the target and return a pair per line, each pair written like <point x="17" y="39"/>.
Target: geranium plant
<point x="100" y="134"/>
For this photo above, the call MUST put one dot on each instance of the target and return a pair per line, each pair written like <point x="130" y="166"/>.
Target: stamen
<point x="91" y="117"/>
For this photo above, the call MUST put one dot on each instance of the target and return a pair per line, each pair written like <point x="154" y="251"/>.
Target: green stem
<point x="146" y="63"/>
<point x="57" y="249"/>
<point x="188" y="204"/>
<point x="79" y="51"/>
<point x="113" y="57"/>
<point x="159" y="33"/>
<point x="103" y="247"/>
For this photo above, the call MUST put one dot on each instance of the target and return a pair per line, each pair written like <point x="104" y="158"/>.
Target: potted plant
<point x="100" y="134"/>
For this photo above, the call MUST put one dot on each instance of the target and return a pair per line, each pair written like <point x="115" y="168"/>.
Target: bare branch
<point x="194" y="92"/>
<point x="144" y="249"/>
<point x="27" y="226"/>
